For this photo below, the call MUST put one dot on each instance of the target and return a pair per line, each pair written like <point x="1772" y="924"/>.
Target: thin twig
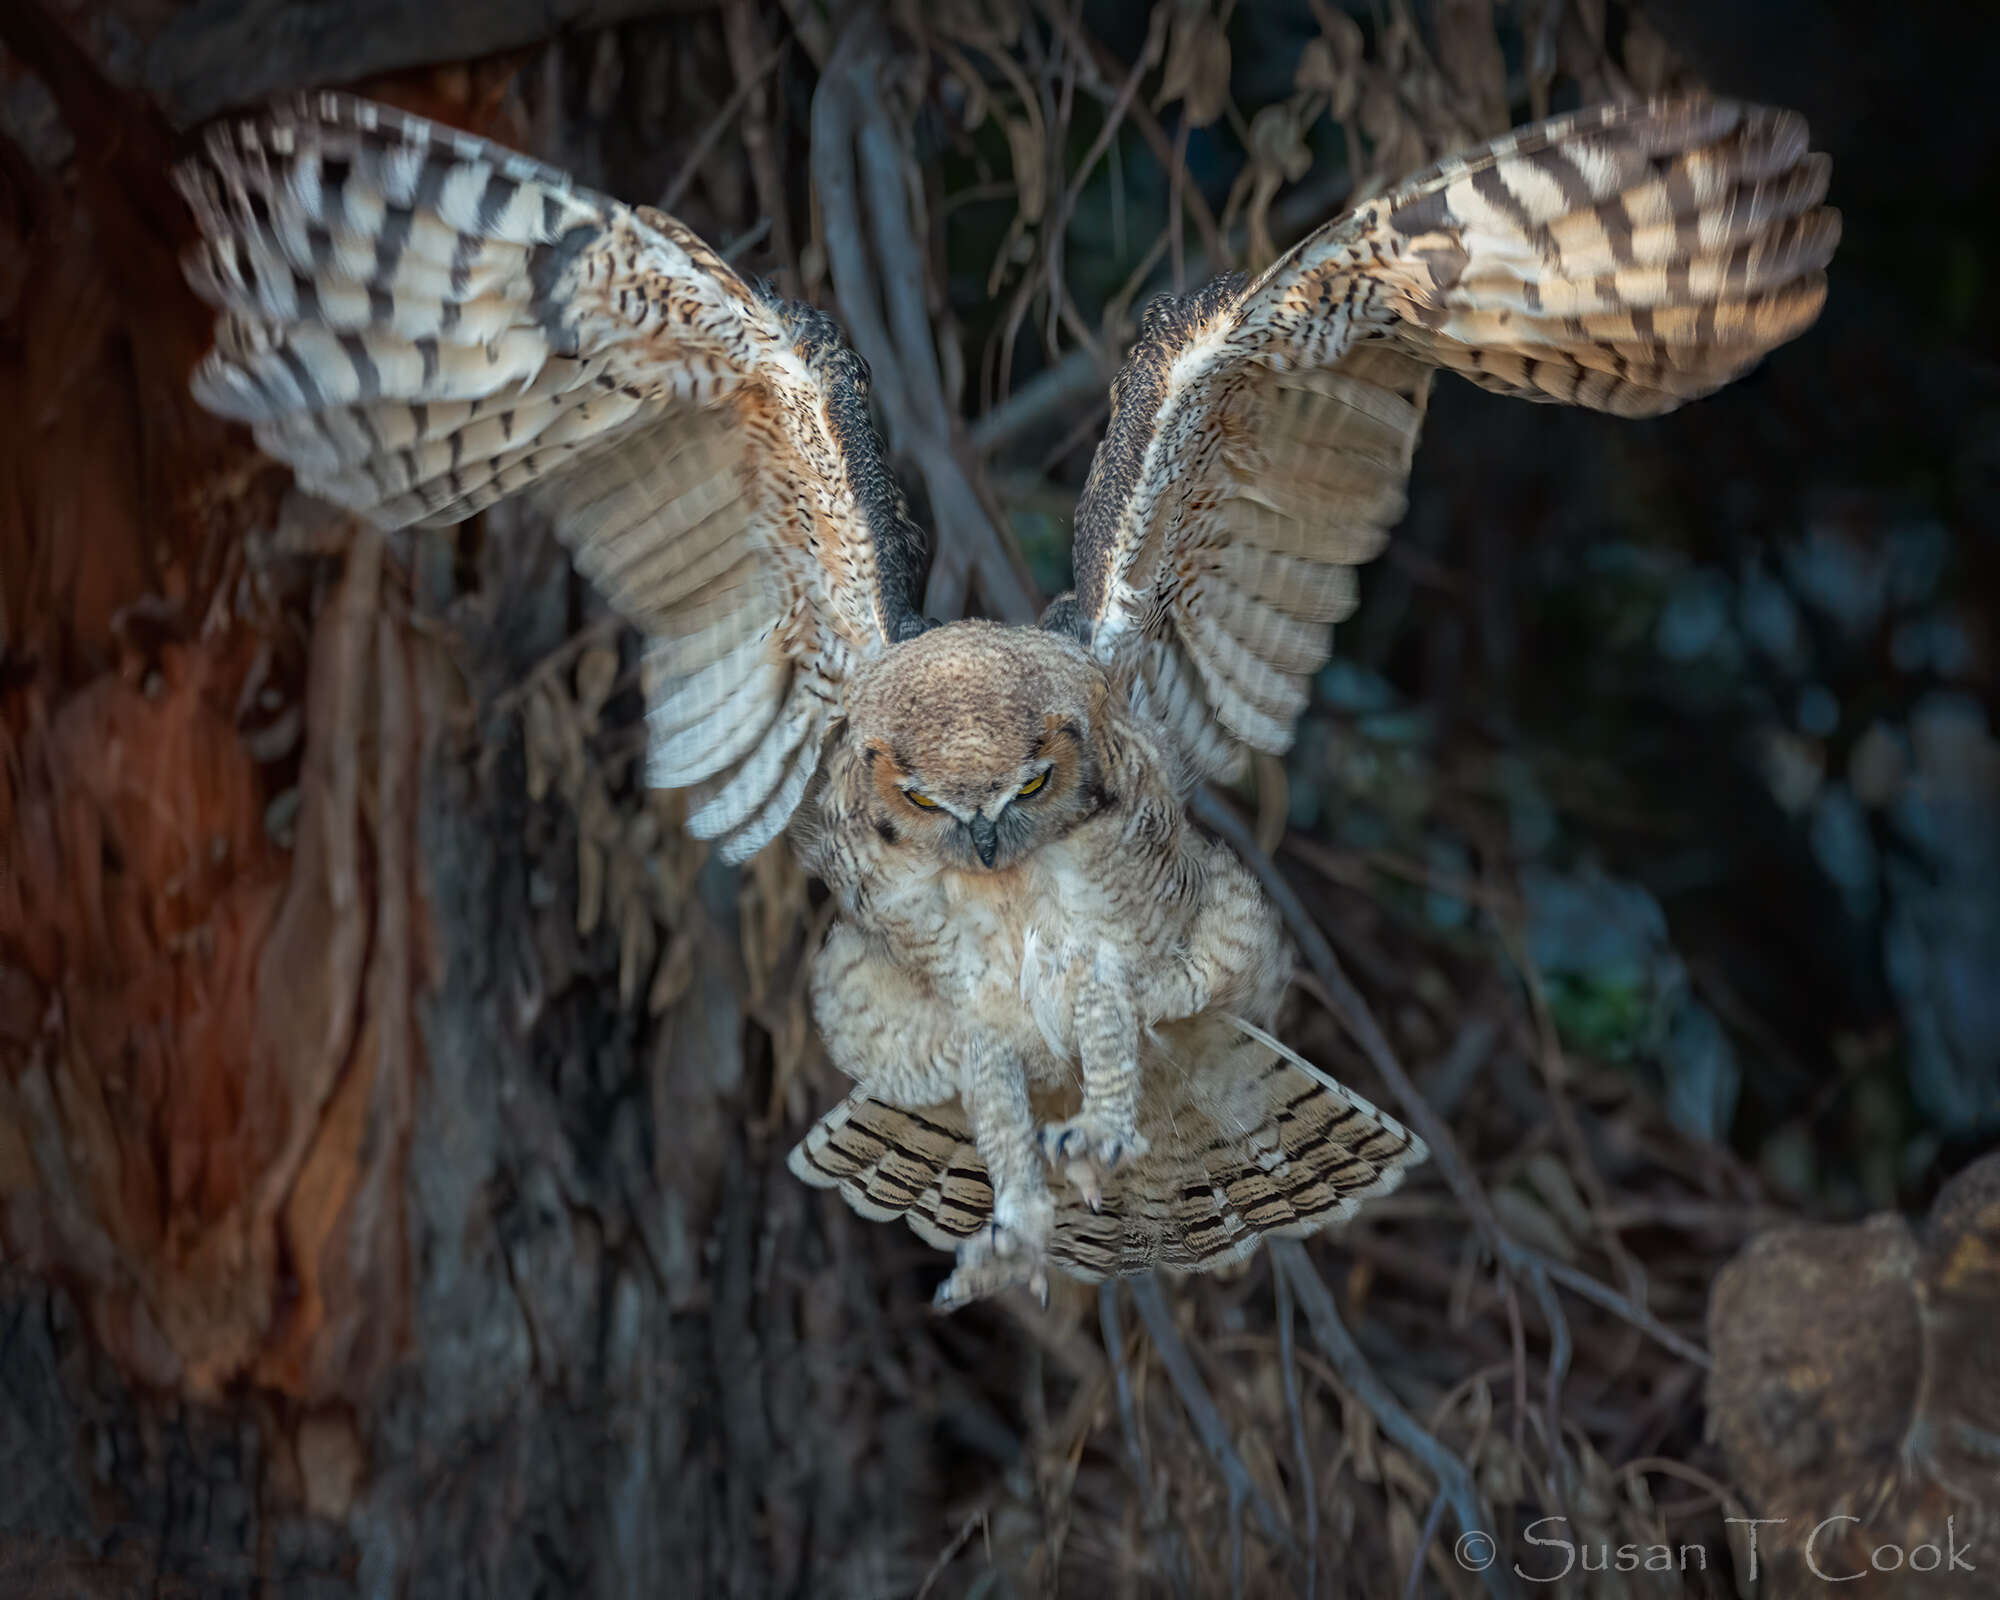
<point x="1720" y="1493"/>
<point x="1209" y="1426"/>
<point x="1114" y="1348"/>
<point x="974" y="1519"/>
<point x="1554" y="1065"/>
<point x="1177" y="189"/>
<point x="1560" y="1350"/>
<point x="717" y="125"/>
<point x="1155" y="136"/>
<point x="1517" y="1350"/>
<point x="1354" y="1014"/>
<point x="1453" y="1478"/>
<point x="752" y="236"/>
<point x="860" y="172"/>
<point x="744" y="36"/>
<point x="1288" y="1362"/>
<point x="1059" y="105"/>
<point x="1432" y="1520"/>
<point x="1114" y="116"/>
<point x="1076" y="380"/>
<point x="1081" y="375"/>
<point x="1445" y="1083"/>
<point x="1601" y="1294"/>
<point x="601" y="629"/>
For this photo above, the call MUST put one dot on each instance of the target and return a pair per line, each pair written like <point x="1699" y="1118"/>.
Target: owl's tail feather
<point x="1336" y="1150"/>
<point x="1252" y="1140"/>
<point x="1627" y="258"/>
<point x="890" y="1162"/>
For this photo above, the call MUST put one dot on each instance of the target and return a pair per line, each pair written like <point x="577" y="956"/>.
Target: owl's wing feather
<point x="421" y="323"/>
<point x="1242" y="1144"/>
<point x="1626" y="258"/>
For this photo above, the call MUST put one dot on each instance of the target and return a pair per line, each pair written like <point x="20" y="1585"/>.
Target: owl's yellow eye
<point x="923" y="800"/>
<point x="1033" y="784"/>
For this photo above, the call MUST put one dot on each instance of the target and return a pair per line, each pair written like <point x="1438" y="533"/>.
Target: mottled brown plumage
<point x="1040" y="972"/>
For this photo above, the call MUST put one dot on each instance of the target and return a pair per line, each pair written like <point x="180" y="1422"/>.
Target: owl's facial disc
<point x="975" y="737"/>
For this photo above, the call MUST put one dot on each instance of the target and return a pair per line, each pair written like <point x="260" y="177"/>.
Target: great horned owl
<point x="1041" y="974"/>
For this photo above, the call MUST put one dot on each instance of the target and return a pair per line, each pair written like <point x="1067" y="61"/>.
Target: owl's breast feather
<point x="1018" y="939"/>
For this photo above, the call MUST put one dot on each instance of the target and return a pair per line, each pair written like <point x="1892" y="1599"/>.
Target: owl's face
<point x="974" y="741"/>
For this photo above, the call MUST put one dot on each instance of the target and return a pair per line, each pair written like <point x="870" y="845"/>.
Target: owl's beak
<point x="985" y="838"/>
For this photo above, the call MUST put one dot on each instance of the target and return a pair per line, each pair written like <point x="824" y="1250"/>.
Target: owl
<point x="1053" y="994"/>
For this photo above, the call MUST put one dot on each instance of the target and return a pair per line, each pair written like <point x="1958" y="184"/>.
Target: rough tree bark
<point x="389" y="1195"/>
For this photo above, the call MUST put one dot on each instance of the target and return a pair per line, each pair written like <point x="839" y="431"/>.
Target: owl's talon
<point x="1083" y="1176"/>
<point x="1087" y="1147"/>
<point x="997" y="1257"/>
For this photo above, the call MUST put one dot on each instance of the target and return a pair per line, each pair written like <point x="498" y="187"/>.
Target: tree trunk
<point x="383" y="1084"/>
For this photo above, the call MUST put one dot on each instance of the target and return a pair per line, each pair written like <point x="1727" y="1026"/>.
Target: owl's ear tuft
<point x="1065" y="616"/>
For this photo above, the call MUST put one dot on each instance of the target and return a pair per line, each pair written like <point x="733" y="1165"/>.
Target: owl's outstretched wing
<point x="1626" y="258"/>
<point x="1242" y="1143"/>
<point x="421" y="323"/>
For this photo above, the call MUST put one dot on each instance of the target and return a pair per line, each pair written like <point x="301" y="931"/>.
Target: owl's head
<point x="974" y="741"/>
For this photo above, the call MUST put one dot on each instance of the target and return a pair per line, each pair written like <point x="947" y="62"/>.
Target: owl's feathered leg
<point x="1013" y="1248"/>
<point x="898" y="1042"/>
<point x="1104" y="1134"/>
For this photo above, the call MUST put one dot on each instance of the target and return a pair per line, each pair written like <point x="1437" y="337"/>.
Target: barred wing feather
<point x="421" y="323"/>
<point x="1627" y="258"/>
